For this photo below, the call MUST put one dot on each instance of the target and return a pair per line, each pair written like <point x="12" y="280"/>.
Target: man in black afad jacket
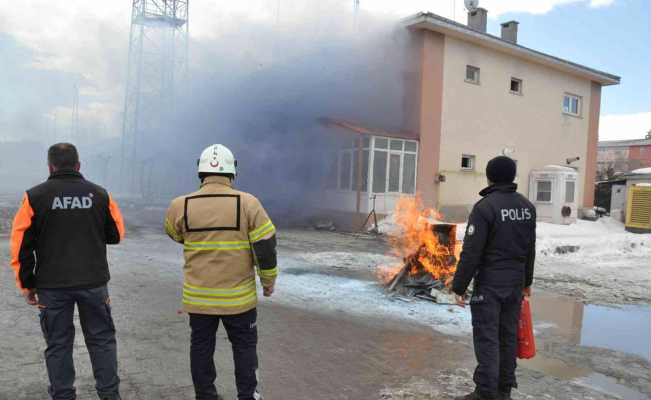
<point x="498" y="252"/>
<point x="58" y="253"/>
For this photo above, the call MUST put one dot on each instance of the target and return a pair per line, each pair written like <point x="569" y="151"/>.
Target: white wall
<point x="484" y="119"/>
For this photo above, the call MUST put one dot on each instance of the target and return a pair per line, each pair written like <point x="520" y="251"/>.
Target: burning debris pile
<point x="429" y="252"/>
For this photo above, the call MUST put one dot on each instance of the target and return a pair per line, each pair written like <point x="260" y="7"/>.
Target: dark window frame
<point x="520" y="84"/>
<point x="476" y="79"/>
<point x="473" y="160"/>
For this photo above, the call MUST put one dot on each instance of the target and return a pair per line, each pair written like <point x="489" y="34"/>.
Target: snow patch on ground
<point x="349" y="260"/>
<point x="604" y="238"/>
<point x="611" y="266"/>
<point x="333" y="294"/>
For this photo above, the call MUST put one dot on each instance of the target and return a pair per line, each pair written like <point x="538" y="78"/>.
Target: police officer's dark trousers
<point x="57" y="311"/>
<point x="242" y="332"/>
<point x="495" y="316"/>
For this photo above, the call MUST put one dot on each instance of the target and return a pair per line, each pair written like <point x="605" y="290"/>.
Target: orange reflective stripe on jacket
<point x="117" y="216"/>
<point x="22" y="222"/>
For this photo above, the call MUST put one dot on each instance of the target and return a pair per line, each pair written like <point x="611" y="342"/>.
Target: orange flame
<point x="418" y="245"/>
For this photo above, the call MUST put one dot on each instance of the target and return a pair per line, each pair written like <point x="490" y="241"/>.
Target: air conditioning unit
<point x="638" y="210"/>
<point x="554" y="191"/>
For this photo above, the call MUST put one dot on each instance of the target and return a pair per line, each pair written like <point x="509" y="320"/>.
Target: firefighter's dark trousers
<point x="495" y="316"/>
<point x="57" y="311"/>
<point x="242" y="332"/>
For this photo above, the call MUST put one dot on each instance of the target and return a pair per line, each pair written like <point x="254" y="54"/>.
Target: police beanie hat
<point x="501" y="170"/>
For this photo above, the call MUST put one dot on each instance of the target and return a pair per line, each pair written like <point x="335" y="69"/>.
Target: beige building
<point x="471" y="96"/>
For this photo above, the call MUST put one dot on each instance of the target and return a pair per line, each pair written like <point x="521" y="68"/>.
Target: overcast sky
<point x="46" y="47"/>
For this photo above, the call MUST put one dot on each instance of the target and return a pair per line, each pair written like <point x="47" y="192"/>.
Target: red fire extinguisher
<point x="526" y="339"/>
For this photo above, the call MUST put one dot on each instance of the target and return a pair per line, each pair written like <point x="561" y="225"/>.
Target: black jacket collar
<point x="66" y="174"/>
<point x="499" y="187"/>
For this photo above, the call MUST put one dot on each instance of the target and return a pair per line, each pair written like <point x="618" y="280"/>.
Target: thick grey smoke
<point x="262" y="91"/>
<point x="261" y="86"/>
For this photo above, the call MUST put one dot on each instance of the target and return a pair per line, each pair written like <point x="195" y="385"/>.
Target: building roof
<point x="641" y="171"/>
<point x="624" y="143"/>
<point x="355" y="128"/>
<point x="434" y="22"/>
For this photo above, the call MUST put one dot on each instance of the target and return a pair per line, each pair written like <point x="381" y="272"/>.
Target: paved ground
<point x="303" y="354"/>
<point x="306" y="353"/>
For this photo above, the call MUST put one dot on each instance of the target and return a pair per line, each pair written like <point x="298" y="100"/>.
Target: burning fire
<point x="420" y="244"/>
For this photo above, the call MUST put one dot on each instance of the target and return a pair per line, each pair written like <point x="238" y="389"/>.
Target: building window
<point x="345" y="173"/>
<point x="570" y="191"/>
<point x="472" y="74"/>
<point x="409" y="173"/>
<point x="544" y="191"/>
<point x="467" y="162"/>
<point x="572" y="105"/>
<point x="642" y="151"/>
<point x="392" y="166"/>
<point x="364" y="181"/>
<point x="516" y="86"/>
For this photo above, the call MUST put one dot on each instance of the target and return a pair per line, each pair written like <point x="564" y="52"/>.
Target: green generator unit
<point x="638" y="210"/>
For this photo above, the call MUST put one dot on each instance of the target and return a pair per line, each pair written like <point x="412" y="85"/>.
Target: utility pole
<point x="356" y="5"/>
<point x="74" y="119"/>
<point x="157" y="68"/>
<point x="53" y="132"/>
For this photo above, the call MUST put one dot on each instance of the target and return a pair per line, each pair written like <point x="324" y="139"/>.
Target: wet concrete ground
<point x="303" y="354"/>
<point x="306" y="353"/>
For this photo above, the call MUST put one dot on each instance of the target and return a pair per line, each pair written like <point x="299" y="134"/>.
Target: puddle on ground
<point x="581" y="376"/>
<point x="608" y="385"/>
<point x="625" y="329"/>
<point x="554" y="367"/>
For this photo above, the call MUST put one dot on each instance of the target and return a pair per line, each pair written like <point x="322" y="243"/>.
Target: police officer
<point x="58" y="253"/>
<point x="498" y="252"/>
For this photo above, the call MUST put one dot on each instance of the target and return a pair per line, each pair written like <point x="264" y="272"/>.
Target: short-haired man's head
<point x="63" y="156"/>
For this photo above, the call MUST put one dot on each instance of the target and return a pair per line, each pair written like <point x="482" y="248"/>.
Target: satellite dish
<point x="471" y="5"/>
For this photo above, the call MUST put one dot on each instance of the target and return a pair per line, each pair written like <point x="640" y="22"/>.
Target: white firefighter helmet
<point x="217" y="159"/>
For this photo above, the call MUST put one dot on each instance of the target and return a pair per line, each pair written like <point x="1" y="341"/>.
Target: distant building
<point x="471" y="96"/>
<point x="622" y="156"/>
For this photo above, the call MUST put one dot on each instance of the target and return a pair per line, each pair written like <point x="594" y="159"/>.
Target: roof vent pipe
<point x="478" y="19"/>
<point x="510" y="31"/>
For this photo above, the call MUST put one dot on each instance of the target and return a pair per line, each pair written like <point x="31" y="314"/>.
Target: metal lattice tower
<point x="158" y="68"/>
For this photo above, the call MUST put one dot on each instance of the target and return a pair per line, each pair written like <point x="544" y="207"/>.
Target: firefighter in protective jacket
<point x="226" y="234"/>
<point x="498" y="253"/>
